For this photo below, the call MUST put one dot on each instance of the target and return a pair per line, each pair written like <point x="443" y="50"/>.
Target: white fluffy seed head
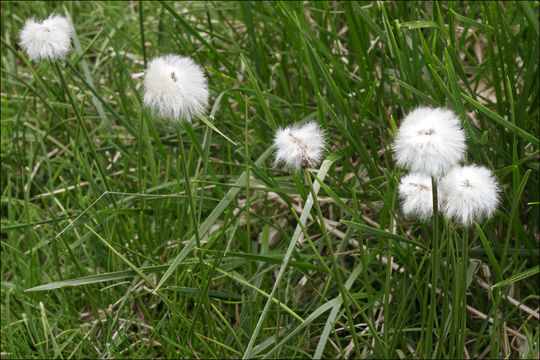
<point x="175" y="88"/>
<point x="471" y="193"/>
<point x="49" y="39"/>
<point x="416" y="196"/>
<point x="430" y="141"/>
<point x="300" y="146"/>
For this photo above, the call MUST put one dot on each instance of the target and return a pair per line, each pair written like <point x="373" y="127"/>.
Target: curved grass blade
<point x="268" y="258"/>
<point x="503" y="122"/>
<point x="93" y="279"/>
<point x="213" y="127"/>
<point x="518" y="277"/>
<point x="333" y="315"/>
<point x="384" y="234"/>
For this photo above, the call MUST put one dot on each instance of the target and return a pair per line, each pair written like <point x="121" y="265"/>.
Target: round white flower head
<point x="300" y="146"/>
<point x="430" y="141"/>
<point x="50" y="39"/>
<point x="470" y="192"/>
<point x="416" y="194"/>
<point x="175" y="88"/>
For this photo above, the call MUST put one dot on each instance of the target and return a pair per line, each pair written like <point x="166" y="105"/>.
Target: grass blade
<point x="518" y="277"/>
<point x="501" y="121"/>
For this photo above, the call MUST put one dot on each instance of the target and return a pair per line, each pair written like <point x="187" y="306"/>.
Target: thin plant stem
<point x="463" y="292"/>
<point x="497" y="328"/>
<point x="141" y="28"/>
<point x="140" y="149"/>
<point x="207" y="139"/>
<point x="187" y="186"/>
<point x="434" y="270"/>
<point x="246" y="144"/>
<point x="455" y="291"/>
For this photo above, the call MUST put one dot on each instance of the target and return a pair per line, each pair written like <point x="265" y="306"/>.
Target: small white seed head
<point x="430" y="141"/>
<point x="300" y="146"/>
<point x="471" y="193"/>
<point x="416" y="195"/>
<point x="175" y="88"/>
<point x="49" y="39"/>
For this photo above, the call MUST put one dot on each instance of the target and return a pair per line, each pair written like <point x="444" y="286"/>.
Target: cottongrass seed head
<point x="175" y="88"/>
<point x="300" y="146"/>
<point x="471" y="193"/>
<point x="416" y="196"/>
<point x="430" y="141"/>
<point x="49" y="39"/>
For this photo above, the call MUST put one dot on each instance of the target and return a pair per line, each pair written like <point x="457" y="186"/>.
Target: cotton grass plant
<point x="430" y="143"/>
<point x="50" y="40"/>
<point x="298" y="147"/>
<point x="176" y="90"/>
<point x="469" y="194"/>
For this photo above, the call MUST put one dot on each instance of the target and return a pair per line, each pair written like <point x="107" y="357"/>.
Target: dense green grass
<point x="95" y="203"/>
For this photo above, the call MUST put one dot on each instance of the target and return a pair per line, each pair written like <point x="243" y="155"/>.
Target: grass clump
<point x="125" y="236"/>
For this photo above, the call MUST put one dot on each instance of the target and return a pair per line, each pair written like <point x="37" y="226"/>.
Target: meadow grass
<point x="126" y="236"/>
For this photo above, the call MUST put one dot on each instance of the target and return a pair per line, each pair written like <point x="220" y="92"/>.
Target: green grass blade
<point x="94" y="279"/>
<point x="501" y="121"/>
<point x="518" y="277"/>
<point x="380" y="233"/>
<point x="333" y="315"/>
<point x="489" y="252"/>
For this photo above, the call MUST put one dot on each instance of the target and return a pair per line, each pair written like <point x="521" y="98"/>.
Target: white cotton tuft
<point x="50" y="39"/>
<point x="175" y="88"/>
<point x="416" y="195"/>
<point x="471" y="193"/>
<point x="300" y="146"/>
<point x="430" y="141"/>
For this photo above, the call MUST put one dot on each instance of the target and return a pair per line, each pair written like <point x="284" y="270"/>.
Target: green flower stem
<point x="187" y="187"/>
<point x="435" y="253"/>
<point x="463" y="293"/>
<point x="453" y="253"/>
<point x="141" y="28"/>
